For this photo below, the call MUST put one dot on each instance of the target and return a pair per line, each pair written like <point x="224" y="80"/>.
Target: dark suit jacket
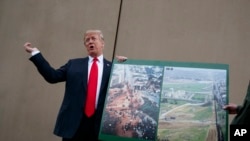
<point x="75" y="74"/>
<point x="243" y="112"/>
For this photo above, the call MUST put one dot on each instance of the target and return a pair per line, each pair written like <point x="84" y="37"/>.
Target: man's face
<point x="94" y="44"/>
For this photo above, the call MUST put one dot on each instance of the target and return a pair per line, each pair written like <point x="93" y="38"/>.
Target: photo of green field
<point x="191" y="105"/>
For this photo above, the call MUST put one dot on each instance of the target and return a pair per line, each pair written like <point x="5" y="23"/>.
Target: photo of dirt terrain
<point x="132" y="105"/>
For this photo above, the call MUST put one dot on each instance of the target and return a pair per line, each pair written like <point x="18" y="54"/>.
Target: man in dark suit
<point x="73" y="124"/>
<point x="242" y="111"/>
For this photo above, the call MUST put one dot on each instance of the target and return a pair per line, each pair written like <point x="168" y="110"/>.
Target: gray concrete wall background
<point x="195" y="30"/>
<point x="28" y="104"/>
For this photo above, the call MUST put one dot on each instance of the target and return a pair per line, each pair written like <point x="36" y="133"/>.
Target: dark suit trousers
<point x="86" y="130"/>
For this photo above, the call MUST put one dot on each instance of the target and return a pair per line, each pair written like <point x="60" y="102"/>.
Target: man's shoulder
<point x="79" y="59"/>
<point x="106" y="61"/>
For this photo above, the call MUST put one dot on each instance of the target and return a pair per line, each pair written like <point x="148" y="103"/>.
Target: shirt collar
<point x="100" y="58"/>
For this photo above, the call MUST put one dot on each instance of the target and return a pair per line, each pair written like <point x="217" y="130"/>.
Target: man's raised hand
<point x="28" y="47"/>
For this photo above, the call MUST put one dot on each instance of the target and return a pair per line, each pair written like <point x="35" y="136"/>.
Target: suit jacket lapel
<point x="106" y="73"/>
<point x="85" y="73"/>
<point x="105" y="78"/>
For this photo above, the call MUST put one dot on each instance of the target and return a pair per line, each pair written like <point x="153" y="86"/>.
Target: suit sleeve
<point x="50" y="74"/>
<point x="239" y="107"/>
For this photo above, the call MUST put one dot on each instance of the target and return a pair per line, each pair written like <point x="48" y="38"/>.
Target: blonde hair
<point x="93" y="31"/>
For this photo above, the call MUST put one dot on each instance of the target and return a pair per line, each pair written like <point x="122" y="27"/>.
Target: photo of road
<point x="191" y="105"/>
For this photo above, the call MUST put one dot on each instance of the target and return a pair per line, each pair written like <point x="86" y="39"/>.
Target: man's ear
<point x="103" y="44"/>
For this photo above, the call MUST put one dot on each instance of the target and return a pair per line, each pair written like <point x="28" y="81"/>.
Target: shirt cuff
<point x="33" y="53"/>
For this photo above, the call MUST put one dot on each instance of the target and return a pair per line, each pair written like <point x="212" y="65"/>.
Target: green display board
<point x="166" y="101"/>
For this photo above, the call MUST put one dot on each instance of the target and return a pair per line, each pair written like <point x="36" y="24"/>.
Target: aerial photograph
<point x="132" y="105"/>
<point x="191" y="105"/>
<point x="166" y="103"/>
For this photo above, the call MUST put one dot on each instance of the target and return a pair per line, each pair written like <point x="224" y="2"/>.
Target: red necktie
<point x="92" y="88"/>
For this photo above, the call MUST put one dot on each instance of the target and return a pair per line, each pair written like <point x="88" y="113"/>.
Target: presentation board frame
<point x="166" y="100"/>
